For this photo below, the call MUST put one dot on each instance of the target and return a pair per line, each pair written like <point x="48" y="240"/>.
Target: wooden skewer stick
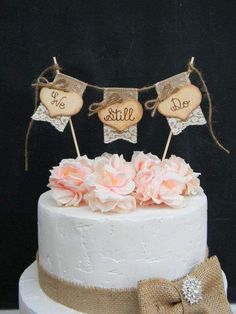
<point x="70" y="122"/>
<point x="55" y="62"/>
<point x="74" y="138"/>
<point x="167" y="145"/>
<point x="192" y="60"/>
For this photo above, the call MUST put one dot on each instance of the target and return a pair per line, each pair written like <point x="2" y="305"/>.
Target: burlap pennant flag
<point x="196" y="117"/>
<point x="60" y="121"/>
<point x="119" y="112"/>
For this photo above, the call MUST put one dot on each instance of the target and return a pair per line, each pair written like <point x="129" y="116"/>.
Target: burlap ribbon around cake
<point x="203" y="287"/>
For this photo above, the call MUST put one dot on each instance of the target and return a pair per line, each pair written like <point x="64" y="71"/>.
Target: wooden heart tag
<point x="121" y="115"/>
<point x="60" y="103"/>
<point x="181" y="103"/>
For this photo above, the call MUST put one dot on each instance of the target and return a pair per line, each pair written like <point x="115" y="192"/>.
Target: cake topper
<point x="120" y="111"/>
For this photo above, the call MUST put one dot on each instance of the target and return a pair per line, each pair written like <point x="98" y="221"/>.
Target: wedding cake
<point x="109" y="227"/>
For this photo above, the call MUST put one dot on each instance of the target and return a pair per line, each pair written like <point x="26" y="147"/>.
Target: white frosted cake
<point x="117" y="250"/>
<point x="108" y="224"/>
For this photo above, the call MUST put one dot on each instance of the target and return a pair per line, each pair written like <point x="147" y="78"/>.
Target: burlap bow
<point x="166" y="297"/>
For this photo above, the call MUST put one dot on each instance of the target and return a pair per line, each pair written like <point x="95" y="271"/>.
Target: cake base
<point x="32" y="300"/>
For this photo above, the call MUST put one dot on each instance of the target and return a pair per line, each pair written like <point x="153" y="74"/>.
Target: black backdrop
<point x="111" y="43"/>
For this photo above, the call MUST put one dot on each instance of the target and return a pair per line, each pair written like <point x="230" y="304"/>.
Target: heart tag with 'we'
<point x="60" y="103"/>
<point x="181" y="102"/>
<point x="121" y="114"/>
<point x="60" y="100"/>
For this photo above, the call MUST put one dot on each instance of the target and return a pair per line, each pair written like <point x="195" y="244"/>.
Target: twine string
<point x="193" y="69"/>
<point x="140" y="89"/>
<point x="114" y="98"/>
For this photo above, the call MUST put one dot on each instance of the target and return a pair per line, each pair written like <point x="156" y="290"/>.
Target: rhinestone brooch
<point x="192" y="290"/>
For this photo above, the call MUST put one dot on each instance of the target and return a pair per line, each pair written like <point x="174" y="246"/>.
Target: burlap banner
<point x="201" y="291"/>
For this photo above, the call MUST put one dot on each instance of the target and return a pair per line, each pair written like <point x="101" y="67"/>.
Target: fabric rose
<point x="112" y="184"/>
<point x="170" y="188"/>
<point x="146" y="166"/>
<point x="179" y="166"/>
<point x="163" y="182"/>
<point x="144" y="161"/>
<point x="157" y="186"/>
<point x="67" y="181"/>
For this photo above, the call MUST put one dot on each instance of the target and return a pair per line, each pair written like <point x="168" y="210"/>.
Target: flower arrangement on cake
<point x="110" y="183"/>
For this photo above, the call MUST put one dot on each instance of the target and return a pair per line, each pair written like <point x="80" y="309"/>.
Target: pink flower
<point x="146" y="166"/>
<point x="158" y="186"/>
<point x="110" y="202"/>
<point x="67" y="181"/>
<point x="109" y="183"/>
<point x="112" y="183"/>
<point x="178" y="165"/>
<point x="163" y="182"/>
<point x="171" y="189"/>
<point x="144" y="161"/>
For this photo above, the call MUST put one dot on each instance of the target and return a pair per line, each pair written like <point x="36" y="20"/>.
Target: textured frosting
<point x="116" y="250"/>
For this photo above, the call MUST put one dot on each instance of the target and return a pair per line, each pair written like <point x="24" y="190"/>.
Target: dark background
<point x="111" y="43"/>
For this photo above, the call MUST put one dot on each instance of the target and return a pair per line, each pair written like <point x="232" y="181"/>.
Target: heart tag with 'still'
<point x="121" y="115"/>
<point x="181" y="103"/>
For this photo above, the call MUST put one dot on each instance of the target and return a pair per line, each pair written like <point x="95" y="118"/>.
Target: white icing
<point x="116" y="250"/>
<point x="32" y="299"/>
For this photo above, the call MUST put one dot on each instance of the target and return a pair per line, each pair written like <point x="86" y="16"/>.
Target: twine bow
<point x="60" y="84"/>
<point x="114" y="98"/>
<point x="152" y="104"/>
<point x="159" y="296"/>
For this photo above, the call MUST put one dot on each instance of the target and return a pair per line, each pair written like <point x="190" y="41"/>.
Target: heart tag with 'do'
<point x="60" y="103"/>
<point x="121" y="115"/>
<point x="180" y="104"/>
